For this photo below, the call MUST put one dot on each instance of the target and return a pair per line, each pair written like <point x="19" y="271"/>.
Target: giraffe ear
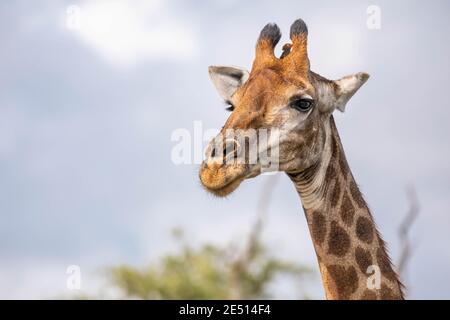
<point x="227" y="79"/>
<point x="346" y="87"/>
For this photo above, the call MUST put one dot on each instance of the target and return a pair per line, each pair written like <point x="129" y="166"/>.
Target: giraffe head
<point x="279" y="95"/>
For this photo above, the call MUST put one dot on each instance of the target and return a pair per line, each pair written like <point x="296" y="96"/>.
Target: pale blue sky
<point x="86" y="117"/>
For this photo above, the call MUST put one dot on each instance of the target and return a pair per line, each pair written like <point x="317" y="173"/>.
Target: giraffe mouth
<point x="222" y="180"/>
<point x="226" y="189"/>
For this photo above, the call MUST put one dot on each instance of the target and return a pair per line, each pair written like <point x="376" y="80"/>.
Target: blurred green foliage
<point x="209" y="272"/>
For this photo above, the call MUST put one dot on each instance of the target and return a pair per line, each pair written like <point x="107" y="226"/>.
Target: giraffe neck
<point x="352" y="258"/>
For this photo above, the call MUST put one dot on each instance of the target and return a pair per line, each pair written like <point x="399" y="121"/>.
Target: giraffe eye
<point x="302" y="105"/>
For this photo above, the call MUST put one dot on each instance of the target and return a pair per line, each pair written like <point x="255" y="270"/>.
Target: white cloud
<point x="126" y="33"/>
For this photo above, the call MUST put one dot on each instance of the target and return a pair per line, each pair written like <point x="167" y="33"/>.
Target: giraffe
<point x="284" y="94"/>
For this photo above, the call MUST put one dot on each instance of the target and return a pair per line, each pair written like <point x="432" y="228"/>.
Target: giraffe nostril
<point x="231" y="148"/>
<point x="226" y="151"/>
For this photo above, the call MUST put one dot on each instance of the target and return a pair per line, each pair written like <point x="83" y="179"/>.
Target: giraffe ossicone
<point x="283" y="94"/>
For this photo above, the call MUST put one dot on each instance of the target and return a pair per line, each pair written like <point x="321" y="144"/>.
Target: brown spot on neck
<point x="347" y="211"/>
<point x="338" y="240"/>
<point x="333" y="182"/>
<point x="345" y="280"/>
<point x="363" y="259"/>
<point x="365" y="229"/>
<point x="318" y="227"/>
